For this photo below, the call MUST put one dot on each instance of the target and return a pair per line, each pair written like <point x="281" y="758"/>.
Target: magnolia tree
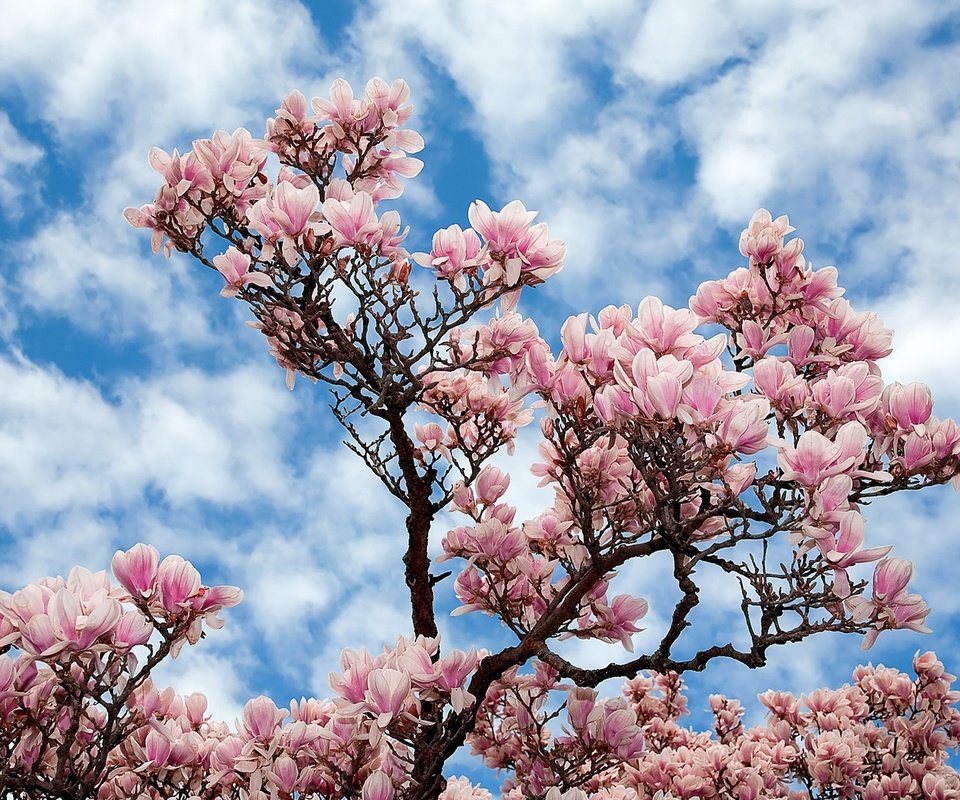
<point x="749" y="453"/>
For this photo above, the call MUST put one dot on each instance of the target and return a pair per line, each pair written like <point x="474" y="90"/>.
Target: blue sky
<point x="135" y="405"/>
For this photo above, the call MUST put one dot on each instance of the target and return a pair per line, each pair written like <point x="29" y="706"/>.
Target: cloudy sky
<point x="135" y="405"/>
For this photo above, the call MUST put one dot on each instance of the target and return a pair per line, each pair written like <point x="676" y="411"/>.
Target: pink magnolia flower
<point x="454" y="251"/>
<point x="377" y="786"/>
<point x="387" y="98"/>
<point x="580" y="703"/>
<point x="661" y="328"/>
<point x="341" y="109"/>
<point x="816" y="458"/>
<point x="848" y="392"/>
<point x="136" y="569"/>
<point x="209" y="599"/>
<point x="233" y="160"/>
<point x="515" y="244"/>
<point x="82" y="626"/>
<point x="133" y="629"/>
<point x="763" y="237"/>
<point x="777" y="380"/>
<point x="40" y="638"/>
<point x="387" y="693"/>
<point x="157" y="747"/>
<point x="182" y="173"/>
<point x="353" y="222"/>
<point x="574" y="337"/>
<point x="235" y="266"/>
<point x="178" y="581"/>
<point x="261" y="717"/>
<point x="452" y="672"/>
<point x="742" y="426"/>
<point x="502" y="229"/>
<point x="849" y="550"/>
<point x="284" y="214"/>
<point x="890" y="578"/>
<point x="859" y="336"/>
<point x="908" y="406"/>
<point x="284" y="774"/>
<point x="491" y="484"/>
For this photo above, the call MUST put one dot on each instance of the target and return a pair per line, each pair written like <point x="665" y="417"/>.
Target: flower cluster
<point x="355" y="744"/>
<point x="291" y="241"/>
<point x="645" y="414"/>
<point x="86" y="649"/>
<point x="885" y="736"/>
<point x="513" y="250"/>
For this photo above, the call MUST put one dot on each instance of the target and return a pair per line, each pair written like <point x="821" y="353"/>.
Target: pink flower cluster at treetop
<point x="735" y="442"/>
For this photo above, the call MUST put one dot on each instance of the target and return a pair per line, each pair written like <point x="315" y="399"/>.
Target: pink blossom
<point x="491" y="484"/>
<point x="82" y="626"/>
<point x="777" y="380"/>
<point x="502" y="229"/>
<point x="178" y="582"/>
<point x="353" y="222"/>
<point x="890" y="578"/>
<point x="849" y="550"/>
<point x="132" y="629"/>
<point x="157" y="747"/>
<point x="294" y="206"/>
<point x="661" y="328"/>
<point x="515" y="244"/>
<point x="261" y="717"/>
<point x="861" y="336"/>
<point x="580" y="702"/>
<point x="136" y="569"/>
<point x="235" y="266"/>
<point x="848" y="392"/>
<point x="764" y="236"/>
<point x="454" y="251"/>
<point x="377" y="786"/>
<point x="742" y="426"/>
<point x="341" y="108"/>
<point x="209" y="599"/>
<point x="816" y="458"/>
<point x="908" y="406"/>
<point x="387" y="693"/>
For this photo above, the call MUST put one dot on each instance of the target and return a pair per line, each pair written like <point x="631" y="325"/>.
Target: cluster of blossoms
<point x="645" y="415"/>
<point x="512" y="570"/>
<point x="86" y="649"/>
<point x="79" y="712"/>
<point x="883" y="737"/>
<point x="357" y="744"/>
<point x="83" y="714"/>
<point x="513" y="251"/>
<point x="289" y="240"/>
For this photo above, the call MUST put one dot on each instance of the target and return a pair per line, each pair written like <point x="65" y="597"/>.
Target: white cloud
<point x="111" y="65"/>
<point x="816" y="112"/>
<point x="215" y="674"/>
<point x="286" y="585"/>
<point x="676" y="43"/>
<point x="17" y="156"/>
<point x="187" y="435"/>
<point x="88" y="270"/>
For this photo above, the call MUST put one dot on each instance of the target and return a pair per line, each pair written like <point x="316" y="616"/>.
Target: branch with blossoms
<point x="886" y="735"/>
<point x="749" y="454"/>
<point x="648" y="442"/>
<point x="80" y="687"/>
